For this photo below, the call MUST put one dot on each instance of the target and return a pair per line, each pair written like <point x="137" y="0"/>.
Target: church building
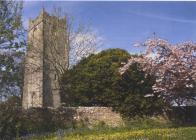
<point x="46" y="58"/>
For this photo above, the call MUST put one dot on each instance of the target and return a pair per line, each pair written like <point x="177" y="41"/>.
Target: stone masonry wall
<point x="96" y="115"/>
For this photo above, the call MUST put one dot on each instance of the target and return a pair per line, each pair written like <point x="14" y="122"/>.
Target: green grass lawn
<point x="183" y="133"/>
<point x="154" y="128"/>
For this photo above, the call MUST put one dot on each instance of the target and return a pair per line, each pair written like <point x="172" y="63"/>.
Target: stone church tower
<point x="46" y="59"/>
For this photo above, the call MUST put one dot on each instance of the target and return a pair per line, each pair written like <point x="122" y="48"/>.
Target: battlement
<point x="48" y="19"/>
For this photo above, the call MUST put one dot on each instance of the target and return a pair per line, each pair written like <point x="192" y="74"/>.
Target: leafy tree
<point x="11" y="47"/>
<point x="92" y="81"/>
<point x="134" y="96"/>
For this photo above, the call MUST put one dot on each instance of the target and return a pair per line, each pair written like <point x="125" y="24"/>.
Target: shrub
<point x="17" y="122"/>
<point x="10" y="118"/>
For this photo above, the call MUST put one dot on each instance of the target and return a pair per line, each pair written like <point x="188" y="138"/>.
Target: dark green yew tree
<point x="92" y="81"/>
<point x="134" y="96"/>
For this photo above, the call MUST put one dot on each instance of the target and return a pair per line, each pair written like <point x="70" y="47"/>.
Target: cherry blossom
<point x="174" y="67"/>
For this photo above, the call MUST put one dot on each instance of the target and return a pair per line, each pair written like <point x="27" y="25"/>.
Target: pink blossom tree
<point x="174" y="67"/>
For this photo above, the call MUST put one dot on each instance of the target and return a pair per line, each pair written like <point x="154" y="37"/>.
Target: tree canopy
<point x="173" y="67"/>
<point x="134" y="94"/>
<point x="92" y="81"/>
<point x="11" y="44"/>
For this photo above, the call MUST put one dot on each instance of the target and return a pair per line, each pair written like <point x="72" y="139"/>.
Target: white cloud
<point x="160" y="17"/>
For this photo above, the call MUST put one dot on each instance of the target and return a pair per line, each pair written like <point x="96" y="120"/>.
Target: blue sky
<point x="122" y="24"/>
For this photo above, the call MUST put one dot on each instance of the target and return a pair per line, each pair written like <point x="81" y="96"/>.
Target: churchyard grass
<point x="183" y="133"/>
